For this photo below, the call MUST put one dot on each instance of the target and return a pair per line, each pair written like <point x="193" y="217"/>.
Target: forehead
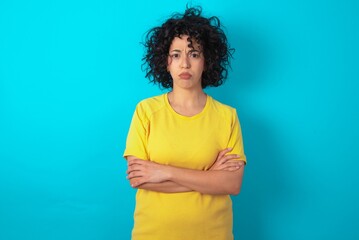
<point x="182" y="43"/>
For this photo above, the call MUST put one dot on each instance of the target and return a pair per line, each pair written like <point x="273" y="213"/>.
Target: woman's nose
<point x="185" y="63"/>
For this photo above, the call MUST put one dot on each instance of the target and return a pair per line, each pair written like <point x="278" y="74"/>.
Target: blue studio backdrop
<point x="70" y="77"/>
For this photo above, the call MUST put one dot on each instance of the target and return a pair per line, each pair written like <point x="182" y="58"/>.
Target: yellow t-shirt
<point x="157" y="133"/>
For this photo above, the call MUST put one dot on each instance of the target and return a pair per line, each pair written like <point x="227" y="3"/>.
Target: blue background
<point x="70" y="78"/>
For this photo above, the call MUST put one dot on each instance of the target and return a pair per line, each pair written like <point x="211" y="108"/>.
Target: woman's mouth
<point x="185" y="75"/>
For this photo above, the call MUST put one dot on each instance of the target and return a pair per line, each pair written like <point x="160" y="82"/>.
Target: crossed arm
<point x="224" y="176"/>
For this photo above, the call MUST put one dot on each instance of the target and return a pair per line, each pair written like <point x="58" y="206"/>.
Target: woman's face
<point x="185" y="64"/>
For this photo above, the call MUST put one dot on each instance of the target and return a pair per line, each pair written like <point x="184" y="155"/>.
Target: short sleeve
<point x="235" y="140"/>
<point x="138" y="134"/>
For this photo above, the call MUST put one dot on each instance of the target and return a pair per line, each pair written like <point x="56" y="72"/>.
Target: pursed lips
<point x="185" y="75"/>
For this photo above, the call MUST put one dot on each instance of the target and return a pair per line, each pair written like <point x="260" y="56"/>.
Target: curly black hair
<point x="206" y="32"/>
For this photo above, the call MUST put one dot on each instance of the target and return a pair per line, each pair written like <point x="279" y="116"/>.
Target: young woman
<point x="184" y="149"/>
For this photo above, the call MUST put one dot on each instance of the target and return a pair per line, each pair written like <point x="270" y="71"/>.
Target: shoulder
<point x="228" y="114"/>
<point x="223" y="109"/>
<point x="147" y="107"/>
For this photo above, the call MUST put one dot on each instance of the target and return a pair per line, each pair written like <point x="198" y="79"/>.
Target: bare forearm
<point x="208" y="182"/>
<point x="224" y="177"/>
<point x="164" y="187"/>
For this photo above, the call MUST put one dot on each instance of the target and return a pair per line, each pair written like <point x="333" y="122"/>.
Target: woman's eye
<point x="194" y="55"/>
<point x="175" y="56"/>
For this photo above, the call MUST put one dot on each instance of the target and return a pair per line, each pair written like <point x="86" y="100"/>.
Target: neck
<point x="187" y="103"/>
<point x="187" y="98"/>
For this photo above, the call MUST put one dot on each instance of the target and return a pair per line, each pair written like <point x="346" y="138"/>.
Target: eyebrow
<point x="177" y="50"/>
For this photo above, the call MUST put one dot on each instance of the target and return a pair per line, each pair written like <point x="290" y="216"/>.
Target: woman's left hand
<point x="142" y="171"/>
<point x="226" y="161"/>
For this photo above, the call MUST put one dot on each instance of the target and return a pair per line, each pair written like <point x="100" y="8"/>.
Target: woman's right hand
<point x="227" y="162"/>
<point x="142" y="171"/>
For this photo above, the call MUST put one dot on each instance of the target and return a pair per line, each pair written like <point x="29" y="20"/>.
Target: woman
<point x="184" y="149"/>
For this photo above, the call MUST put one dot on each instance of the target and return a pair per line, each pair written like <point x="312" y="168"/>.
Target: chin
<point x="187" y="84"/>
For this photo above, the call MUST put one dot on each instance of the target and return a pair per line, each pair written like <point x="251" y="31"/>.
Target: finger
<point x="137" y="172"/>
<point x="135" y="167"/>
<point x="135" y="161"/>
<point x="129" y="169"/>
<point x="220" y="161"/>
<point x="223" y="166"/>
<point x="232" y="163"/>
<point x="229" y="157"/>
<point x="232" y="169"/>
<point x="135" y="182"/>
<point x="223" y="152"/>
